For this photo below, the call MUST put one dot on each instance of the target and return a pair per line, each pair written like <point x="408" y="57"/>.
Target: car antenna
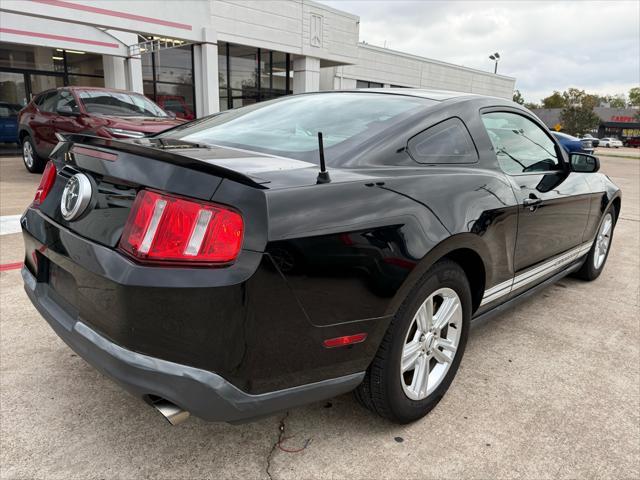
<point x="323" y="176"/>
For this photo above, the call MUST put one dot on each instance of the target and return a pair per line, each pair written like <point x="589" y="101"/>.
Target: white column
<point x="114" y="72"/>
<point x="306" y="74"/>
<point x="128" y="74"/>
<point x="133" y="72"/>
<point x="206" y="74"/>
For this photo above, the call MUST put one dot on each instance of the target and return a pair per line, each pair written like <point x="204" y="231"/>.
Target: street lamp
<point x="495" y="57"/>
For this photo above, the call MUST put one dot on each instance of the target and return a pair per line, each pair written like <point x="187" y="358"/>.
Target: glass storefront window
<point x="222" y="66"/>
<point x="36" y="69"/>
<point x="365" y="84"/>
<point x="265" y="69"/>
<point x="31" y="58"/>
<point x="40" y="83"/>
<point x="168" y="80"/>
<point x="243" y="67"/>
<point x="280" y="72"/>
<point x="248" y="75"/>
<point x="176" y="99"/>
<point x="12" y="88"/>
<point x="84" y="81"/>
<point x="84" y="63"/>
<point x="147" y="67"/>
<point x="174" y="65"/>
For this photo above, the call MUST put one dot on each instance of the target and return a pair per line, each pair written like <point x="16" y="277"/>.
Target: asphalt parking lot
<point x="549" y="389"/>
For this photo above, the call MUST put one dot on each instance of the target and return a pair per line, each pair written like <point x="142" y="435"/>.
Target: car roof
<point x="431" y="94"/>
<point x="80" y="88"/>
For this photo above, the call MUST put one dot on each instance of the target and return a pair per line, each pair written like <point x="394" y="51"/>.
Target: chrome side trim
<point x="534" y="274"/>
<point x="497" y="291"/>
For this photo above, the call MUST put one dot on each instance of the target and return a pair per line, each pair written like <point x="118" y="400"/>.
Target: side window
<point x="49" y="102"/>
<point x="446" y="142"/>
<point x="520" y="145"/>
<point x="42" y="97"/>
<point x="66" y="99"/>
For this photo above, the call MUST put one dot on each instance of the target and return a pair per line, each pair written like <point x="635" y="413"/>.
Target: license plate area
<point x="63" y="284"/>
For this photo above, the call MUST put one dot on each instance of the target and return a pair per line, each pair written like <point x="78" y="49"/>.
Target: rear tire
<point x="597" y="257"/>
<point x="32" y="161"/>
<point x="412" y="349"/>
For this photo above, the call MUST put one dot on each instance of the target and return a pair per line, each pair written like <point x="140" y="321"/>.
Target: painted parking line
<point x="10" y="266"/>
<point x="9" y="224"/>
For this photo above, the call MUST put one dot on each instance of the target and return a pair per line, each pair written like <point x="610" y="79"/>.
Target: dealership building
<point x="621" y="123"/>
<point x="197" y="57"/>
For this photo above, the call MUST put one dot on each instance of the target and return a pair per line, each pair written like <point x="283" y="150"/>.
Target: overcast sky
<point x="545" y="45"/>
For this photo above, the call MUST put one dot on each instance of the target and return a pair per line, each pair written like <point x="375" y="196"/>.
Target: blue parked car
<point x="9" y="122"/>
<point x="574" y="144"/>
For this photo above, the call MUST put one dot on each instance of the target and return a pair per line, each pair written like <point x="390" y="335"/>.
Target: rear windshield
<point x="122" y="104"/>
<point x="289" y="127"/>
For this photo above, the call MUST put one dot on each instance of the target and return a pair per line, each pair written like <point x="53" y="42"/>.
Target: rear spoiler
<point x="159" y="155"/>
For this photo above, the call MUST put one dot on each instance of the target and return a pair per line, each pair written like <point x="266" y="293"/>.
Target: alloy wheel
<point x="27" y="154"/>
<point x="603" y="241"/>
<point x="431" y="343"/>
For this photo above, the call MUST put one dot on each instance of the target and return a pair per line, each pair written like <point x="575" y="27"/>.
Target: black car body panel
<point x="318" y="261"/>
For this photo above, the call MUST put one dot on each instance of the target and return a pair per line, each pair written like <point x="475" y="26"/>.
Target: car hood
<point x="141" y="124"/>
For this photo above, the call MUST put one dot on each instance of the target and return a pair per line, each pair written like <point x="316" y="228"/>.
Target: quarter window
<point x="521" y="146"/>
<point x="446" y="142"/>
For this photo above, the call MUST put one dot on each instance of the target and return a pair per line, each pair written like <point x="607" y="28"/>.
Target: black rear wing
<point x="135" y="147"/>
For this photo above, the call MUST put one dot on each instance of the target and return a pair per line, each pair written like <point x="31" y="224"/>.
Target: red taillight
<point x="46" y="182"/>
<point x="164" y="228"/>
<point x="344" y="341"/>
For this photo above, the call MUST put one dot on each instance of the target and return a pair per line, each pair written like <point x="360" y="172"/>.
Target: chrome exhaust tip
<point x="170" y="411"/>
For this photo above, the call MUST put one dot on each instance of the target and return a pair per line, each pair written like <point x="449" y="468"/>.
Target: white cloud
<point x="546" y="46"/>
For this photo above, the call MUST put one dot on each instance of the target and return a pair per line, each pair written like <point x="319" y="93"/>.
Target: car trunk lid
<point x="118" y="170"/>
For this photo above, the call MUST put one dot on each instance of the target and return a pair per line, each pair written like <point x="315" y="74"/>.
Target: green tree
<point x="517" y="97"/>
<point x="532" y="106"/>
<point x="634" y="96"/>
<point x="577" y="116"/>
<point x="613" y="101"/>
<point x="618" y="101"/>
<point x="555" y="100"/>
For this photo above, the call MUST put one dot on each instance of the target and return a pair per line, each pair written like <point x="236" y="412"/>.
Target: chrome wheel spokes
<point x="431" y="343"/>
<point x="27" y="154"/>
<point x="603" y="241"/>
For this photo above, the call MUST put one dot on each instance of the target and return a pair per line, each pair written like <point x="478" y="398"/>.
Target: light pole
<point x="495" y="57"/>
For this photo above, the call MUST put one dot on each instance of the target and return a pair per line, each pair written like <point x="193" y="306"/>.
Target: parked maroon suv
<point x="96" y="111"/>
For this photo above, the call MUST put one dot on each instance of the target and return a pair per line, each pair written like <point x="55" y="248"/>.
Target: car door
<point x="553" y="202"/>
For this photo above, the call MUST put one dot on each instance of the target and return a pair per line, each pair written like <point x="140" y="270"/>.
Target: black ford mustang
<point x="221" y="268"/>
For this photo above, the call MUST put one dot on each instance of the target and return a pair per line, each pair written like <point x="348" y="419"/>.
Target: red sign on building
<point x="622" y="119"/>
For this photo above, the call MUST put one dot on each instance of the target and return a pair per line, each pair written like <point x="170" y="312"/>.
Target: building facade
<point x="196" y="57"/>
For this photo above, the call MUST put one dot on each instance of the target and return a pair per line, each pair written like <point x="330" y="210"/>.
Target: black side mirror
<point x="66" y="111"/>
<point x="582" y="162"/>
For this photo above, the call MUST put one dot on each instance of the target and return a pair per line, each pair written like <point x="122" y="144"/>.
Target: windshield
<point x="121" y="104"/>
<point x="289" y="127"/>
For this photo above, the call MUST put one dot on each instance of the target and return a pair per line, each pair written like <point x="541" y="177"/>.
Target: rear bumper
<point x="203" y="393"/>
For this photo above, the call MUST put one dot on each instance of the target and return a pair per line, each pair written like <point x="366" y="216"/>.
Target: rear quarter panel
<point x="353" y="251"/>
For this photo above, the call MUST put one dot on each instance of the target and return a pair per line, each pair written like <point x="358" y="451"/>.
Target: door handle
<point x="532" y="202"/>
